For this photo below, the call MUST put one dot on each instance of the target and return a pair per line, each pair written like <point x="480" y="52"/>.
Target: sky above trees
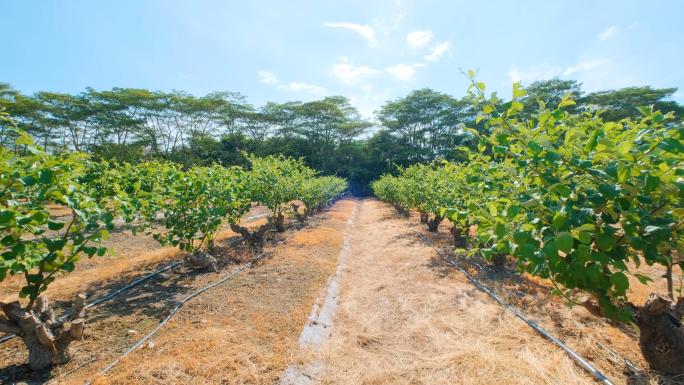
<point x="369" y="51"/>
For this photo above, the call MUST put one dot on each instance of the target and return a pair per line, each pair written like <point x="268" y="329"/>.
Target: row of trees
<point x="572" y="197"/>
<point x="132" y="124"/>
<point x="180" y="207"/>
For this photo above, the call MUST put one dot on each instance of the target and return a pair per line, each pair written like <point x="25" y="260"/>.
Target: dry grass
<point x="246" y="331"/>
<point x="130" y="256"/>
<point x="401" y="321"/>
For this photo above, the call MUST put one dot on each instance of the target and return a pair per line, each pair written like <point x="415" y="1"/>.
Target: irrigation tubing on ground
<point x="581" y="361"/>
<point x="615" y="356"/>
<point x="175" y="309"/>
<point x="129" y="286"/>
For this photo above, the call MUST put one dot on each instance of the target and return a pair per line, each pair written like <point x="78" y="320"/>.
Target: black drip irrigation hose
<point x="614" y="355"/>
<point x="127" y="287"/>
<point x="175" y="310"/>
<point x="581" y="361"/>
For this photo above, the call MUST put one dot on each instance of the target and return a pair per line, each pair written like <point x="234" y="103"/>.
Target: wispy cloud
<point x="366" y="31"/>
<point x="531" y="74"/>
<point x="270" y="78"/>
<point x="267" y="77"/>
<point x="608" y="33"/>
<point x="584" y="65"/>
<point x="438" y="51"/>
<point x="403" y="72"/>
<point x="304" y="87"/>
<point x="348" y="73"/>
<point x="417" y="39"/>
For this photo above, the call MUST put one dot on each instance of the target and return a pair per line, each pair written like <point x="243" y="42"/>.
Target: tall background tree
<point x="129" y="124"/>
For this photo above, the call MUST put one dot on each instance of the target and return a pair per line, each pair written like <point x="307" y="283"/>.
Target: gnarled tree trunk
<point x="301" y="217"/>
<point x="46" y="339"/>
<point x="433" y="224"/>
<point x="499" y="260"/>
<point x="201" y="260"/>
<point x="662" y="336"/>
<point x="459" y="237"/>
<point x="278" y="222"/>
<point x="255" y="238"/>
<point x="424" y="217"/>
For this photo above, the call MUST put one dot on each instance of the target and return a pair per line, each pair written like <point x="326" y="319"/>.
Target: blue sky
<point x="369" y="51"/>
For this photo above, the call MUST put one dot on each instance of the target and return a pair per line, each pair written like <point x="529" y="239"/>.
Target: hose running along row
<point x="175" y="310"/>
<point x="581" y="361"/>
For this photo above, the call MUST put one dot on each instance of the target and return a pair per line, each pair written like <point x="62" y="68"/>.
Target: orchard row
<point x="570" y="198"/>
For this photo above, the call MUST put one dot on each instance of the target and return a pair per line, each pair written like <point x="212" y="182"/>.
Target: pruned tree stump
<point x="46" y="339"/>
<point x="433" y="224"/>
<point x="499" y="260"/>
<point x="662" y="336"/>
<point x="256" y="238"/>
<point x="201" y="260"/>
<point x="424" y="218"/>
<point x="460" y="240"/>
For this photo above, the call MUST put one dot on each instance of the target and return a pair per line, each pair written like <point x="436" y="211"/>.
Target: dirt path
<point x="400" y="320"/>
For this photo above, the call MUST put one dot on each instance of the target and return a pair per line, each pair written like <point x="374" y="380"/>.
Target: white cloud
<point x="366" y="31"/>
<point x="403" y="72"/>
<point x="633" y="25"/>
<point x="531" y="74"/>
<point x="417" y="39"/>
<point x="267" y="77"/>
<point x="304" y="87"/>
<point x="584" y="66"/>
<point x="608" y="33"/>
<point x="438" y="51"/>
<point x="349" y="73"/>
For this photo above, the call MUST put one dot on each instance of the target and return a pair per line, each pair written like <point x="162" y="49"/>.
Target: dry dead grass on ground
<point x="404" y="318"/>
<point x="131" y="256"/>
<point x="243" y="332"/>
<point x="594" y="338"/>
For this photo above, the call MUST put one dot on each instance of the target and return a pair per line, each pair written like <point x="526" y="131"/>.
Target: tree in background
<point x="130" y="124"/>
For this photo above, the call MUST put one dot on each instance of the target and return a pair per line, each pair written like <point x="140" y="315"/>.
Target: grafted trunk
<point x="662" y="336"/>
<point x="499" y="260"/>
<point x="433" y="224"/>
<point x="424" y="217"/>
<point x="46" y="339"/>
<point x="459" y="237"/>
<point x="254" y="238"/>
<point x="278" y="222"/>
<point x="301" y="217"/>
<point x="201" y="260"/>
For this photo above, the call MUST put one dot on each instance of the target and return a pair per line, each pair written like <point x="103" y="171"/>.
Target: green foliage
<point x="198" y="201"/>
<point x="35" y="243"/>
<point x="277" y="180"/>
<point x="572" y="197"/>
<point x="185" y="208"/>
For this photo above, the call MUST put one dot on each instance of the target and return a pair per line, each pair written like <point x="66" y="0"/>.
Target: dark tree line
<point x="129" y="124"/>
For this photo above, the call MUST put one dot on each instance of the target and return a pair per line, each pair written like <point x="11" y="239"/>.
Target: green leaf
<point x="620" y="283"/>
<point x="559" y="220"/>
<point x="605" y="242"/>
<point x="6" y="216"/>
<point x="564" y="241"/>
<point x="55" y="225"/>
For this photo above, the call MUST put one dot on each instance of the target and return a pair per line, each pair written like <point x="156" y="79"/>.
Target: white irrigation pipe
<point x="581" y="361"/>
<point x="175" y="309"/>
